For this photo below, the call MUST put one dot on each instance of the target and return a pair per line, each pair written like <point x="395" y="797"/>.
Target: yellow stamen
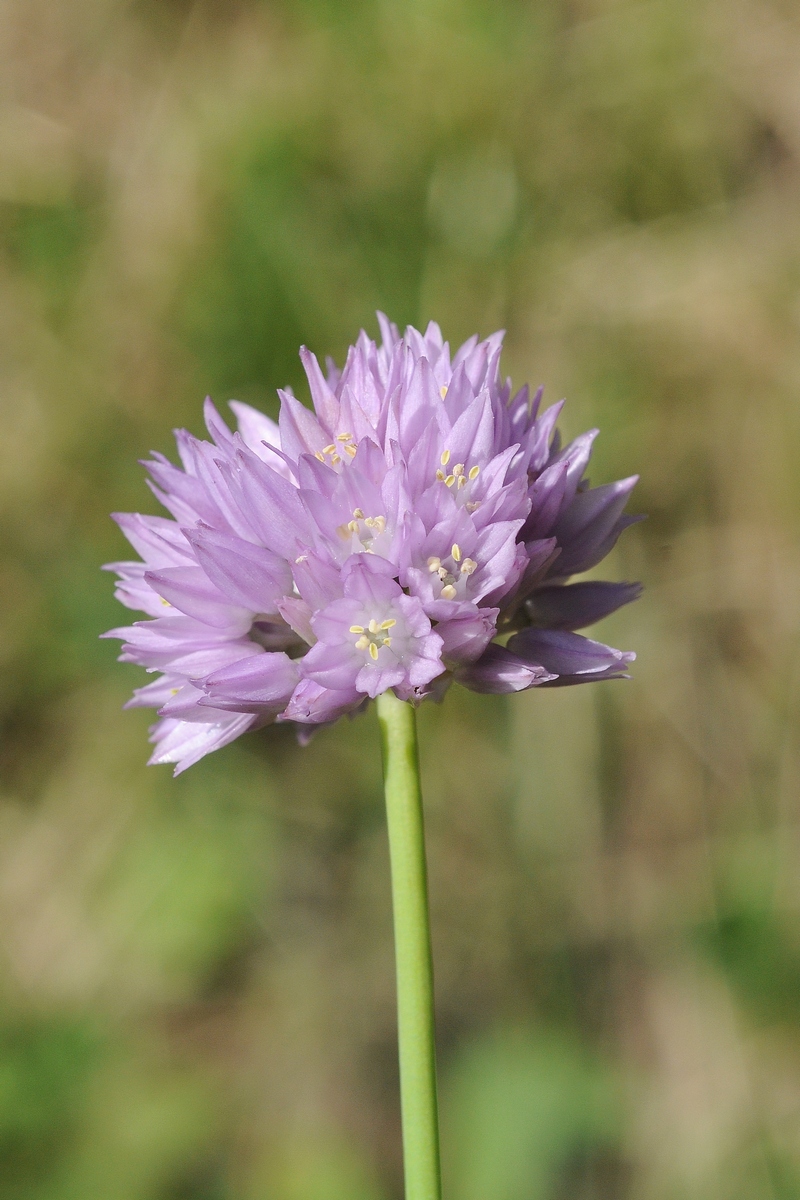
<point x="462" y="481"/>
<point x="318" y="454"/>
<point x="434" y="564"/>
<point x="335" y="459"/>
<point x="474" y="472"/>
<point x="443" y="391"/>
<point x="356" y="628"/>
<point x="351" y="449"/>
<point x="449" y="592"/>
<point x="450" y="480"/>
<point x="445" y="459"/>
<point x="456" y="552"/>
<point x="373" y="626"/>
<point x="458" y="469"/>
<point x="440" y="476"/>
<point x="363" y="642"/>
<point x="344" y="437"/>
<point x="387" y="641"/>
<point x="357" y="512"/>
<point x="329" y="449"/>
<point x="389" y="624"/>
<point x="373" y="651"/>
<point x="468" y="566"/>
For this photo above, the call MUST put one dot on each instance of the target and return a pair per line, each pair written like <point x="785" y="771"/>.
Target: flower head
<point x="385" y="539"/>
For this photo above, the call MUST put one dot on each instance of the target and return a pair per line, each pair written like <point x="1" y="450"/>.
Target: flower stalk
<point x="415" y="1019"/>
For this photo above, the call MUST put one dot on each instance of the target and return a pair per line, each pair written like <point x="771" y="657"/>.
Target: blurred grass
<point x="196" y="982"/>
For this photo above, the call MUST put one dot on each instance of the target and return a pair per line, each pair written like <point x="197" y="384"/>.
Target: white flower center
<point x="453" y="577"/>
<point x="364" y="529"/>
<point x="458" y="479"/>
<point x="333" y="453"/>
<point x="373" y="636"/>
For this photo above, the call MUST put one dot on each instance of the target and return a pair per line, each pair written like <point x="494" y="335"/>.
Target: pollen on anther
<point x="389" y="623"/>
<point x="474" y="472"/>
<point x="450" y="480"/>
<point x="356" y="628"/>
<point x="351" y="449"/>
<point x="373" y="626"/>
<point x="440" y="475"/>
<point x="456" y="552"/>
<point x="363" y="642"/>
<point x="373" y="651"/>
<point x="329" y="449"/>
<point x="449" y="592"/>
<point x="344" y="437"/>
<point x="468" y="566"/>
<point x="445" y="459"/>
<point x="462" y="482"/>
<point x="434" y="564"/>
<point x="443" y="391"/>
<point x="318" y="454"/>
<point x="358" y="513"/>
<point x="335" y="459"/>
<point x="458" y="469"/>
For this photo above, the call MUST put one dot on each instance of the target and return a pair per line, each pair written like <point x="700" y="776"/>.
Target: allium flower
<point x="387" y="539"/>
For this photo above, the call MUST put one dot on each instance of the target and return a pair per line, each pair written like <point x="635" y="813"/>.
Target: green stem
<point x="412" y="938"/>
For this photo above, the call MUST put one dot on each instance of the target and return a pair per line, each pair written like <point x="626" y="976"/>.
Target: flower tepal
<point x="419" y="526"/>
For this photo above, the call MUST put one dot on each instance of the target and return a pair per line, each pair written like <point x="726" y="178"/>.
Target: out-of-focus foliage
<point x="196" y="982"/>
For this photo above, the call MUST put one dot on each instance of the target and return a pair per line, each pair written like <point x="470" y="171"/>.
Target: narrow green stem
<point x="412" y="949"/>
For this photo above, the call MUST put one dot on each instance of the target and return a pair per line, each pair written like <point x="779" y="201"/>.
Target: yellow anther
<point x="373" y="651"/>
<point x="468" y="566"/>
<point x="373" y="626"/>
<point x="387" y="641"/>
<point x="335" y="459"/>
<point x="449" y="592"/>
<point x="450" y="480"/>
<point x="356" y="628"/>
<point x="440" y="476"/>
<point x="380" y="524"/>
<point x="474" y="472"/>
<point x="351" y="449"/>
<point x="358" y="513"/>
<point x="318" y="454"/>
<point x="166" y="603"/>
<point x="352" y="526"/>
<point x="363" y="642"/>
<point x="443" y="391"/>
<point x="458" y="469"/>
<point x="456" y="552"/>
<point x="434" y="564"/>
<point x="344" y="437"/>
<point x="445" y="459"/>
<point x="462" y="481"/>
<point x="369" y="522"/>
<point x="389" y="624"/>
<point x="329" y="449"/>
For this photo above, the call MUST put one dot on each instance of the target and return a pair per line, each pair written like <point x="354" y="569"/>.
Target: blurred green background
<point x="196" y="976"/>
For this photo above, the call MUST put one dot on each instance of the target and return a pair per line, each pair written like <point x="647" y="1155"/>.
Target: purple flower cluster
<point x="384" y="540"/>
